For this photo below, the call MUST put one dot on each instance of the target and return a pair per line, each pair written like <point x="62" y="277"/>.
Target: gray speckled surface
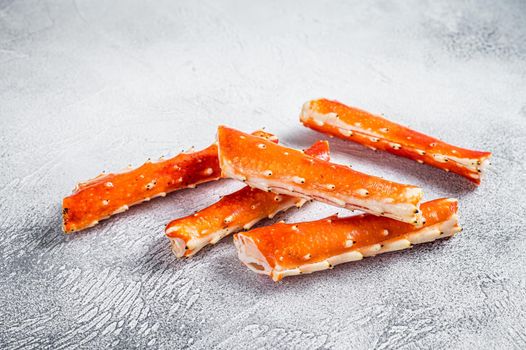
<point x="87" y="86"/>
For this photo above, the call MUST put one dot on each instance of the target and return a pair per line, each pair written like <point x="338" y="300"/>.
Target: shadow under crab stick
<point x="283" y="250"/>
<point x="110" y="194"/>
<point x="234" y="212"/>
<point x="270" y="167"/>
<point x="375" y="132"/>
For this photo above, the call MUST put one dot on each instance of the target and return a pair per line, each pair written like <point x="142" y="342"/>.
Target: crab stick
<point x="283" y="250"/>
<point x="274" y="168"/>
<point x="375" y="132"/>
<point x="110" y="194"/>
<point x="234" y="212"/>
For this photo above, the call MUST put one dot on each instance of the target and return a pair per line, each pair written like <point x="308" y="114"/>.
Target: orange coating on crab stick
<point x="106" y="195"/>
<point x="283" y="250"/>
<point x="234" y="212"/>
<point x="271" y="167"/>
<point x="349" y="123"/>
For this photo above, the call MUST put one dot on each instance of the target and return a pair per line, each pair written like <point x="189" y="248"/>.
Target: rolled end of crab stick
<point x="234" y="212"/>
<point x="110" y="194"/>
<point x="274" y="168"/>
<point x="375" y="132"/>
<point x="283" y="250"/>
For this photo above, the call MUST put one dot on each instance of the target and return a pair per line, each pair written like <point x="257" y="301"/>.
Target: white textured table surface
<point x="87" y="86"/>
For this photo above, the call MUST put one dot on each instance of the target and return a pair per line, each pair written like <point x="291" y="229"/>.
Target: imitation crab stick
<point x="349" y="123"/>
<point x="234" y="212"/>
<point x="283" y="250"/>
<point x="274" y="168"/>
<point x="110" y="194"/>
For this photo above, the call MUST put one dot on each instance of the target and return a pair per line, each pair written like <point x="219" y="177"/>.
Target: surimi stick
<point x="283" y="250"/>
<point x="349" y="123"/>
<point x="110" y="194"/>
<point x="234" y="212"/>
<point x="274" y="168"/>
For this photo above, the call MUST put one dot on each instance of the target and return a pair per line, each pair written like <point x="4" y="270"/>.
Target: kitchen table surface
<point x="92" y="86"/>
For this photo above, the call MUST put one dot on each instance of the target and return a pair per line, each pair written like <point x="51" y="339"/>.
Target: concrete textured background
<point x="87" y="86"/>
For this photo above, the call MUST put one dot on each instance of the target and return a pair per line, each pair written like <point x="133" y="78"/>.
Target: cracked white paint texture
<point x="87" y="86"/>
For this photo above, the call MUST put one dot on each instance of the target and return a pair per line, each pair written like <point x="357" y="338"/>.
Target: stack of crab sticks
<point x="278" y="178"/>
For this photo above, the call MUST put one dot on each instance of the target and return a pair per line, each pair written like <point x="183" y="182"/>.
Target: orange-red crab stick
<point x="110" y="194"/>
<point x="283" y="250"/>
<point x="274" y="168"/>
<point x="349" y="123"/>
<point x="234" y="212"/>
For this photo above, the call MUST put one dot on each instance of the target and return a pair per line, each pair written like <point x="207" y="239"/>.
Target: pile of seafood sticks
<point x="278" y="178"/>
